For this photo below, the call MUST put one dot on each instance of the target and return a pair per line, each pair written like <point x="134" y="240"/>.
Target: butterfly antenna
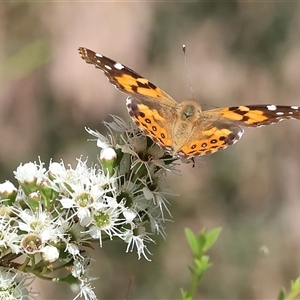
<point x="187" y="70"/>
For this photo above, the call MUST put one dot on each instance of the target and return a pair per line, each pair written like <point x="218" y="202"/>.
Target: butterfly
<point x="183" y="129"/>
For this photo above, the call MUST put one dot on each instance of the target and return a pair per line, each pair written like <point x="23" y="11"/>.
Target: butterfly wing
<point x="155" y="120"/>
<point x="219" y="128"/>
<point x="153" y="110"/>
<point x="125" y="79"/>
<point x="258" y="115"/>
<point x="209" y="136"/>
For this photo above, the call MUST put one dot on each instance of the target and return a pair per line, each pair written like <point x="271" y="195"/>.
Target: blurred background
<point x="238" y="53"/>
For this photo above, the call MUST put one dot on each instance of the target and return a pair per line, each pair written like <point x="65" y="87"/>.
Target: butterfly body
<point x="183" y="129"/>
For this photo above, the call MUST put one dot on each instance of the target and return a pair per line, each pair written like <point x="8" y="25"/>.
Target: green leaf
<point x="295" y="285"/>
<point x="198" y="244"/>
<point x="281" y="295"/>
<point x="192" y="240"/>
<point x="184" y="295"/>
<point x="211" y="238"/>
<point x="70" y="279"/>
<point x="202" y="264"/>
<point x="202" y="238"/>
<point x="295" y="289"/>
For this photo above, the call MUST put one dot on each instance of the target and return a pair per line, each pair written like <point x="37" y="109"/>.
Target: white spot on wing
<point x="107" y="67"/>
<point x="118" y="66"/>
<point x="294" y="107"/>
<point x="239" y="135"/>
<point x="98" y="55"/>
<point x="279" y="113"/>
<point x="271" y="107"/>
<point x="128" y="101"/>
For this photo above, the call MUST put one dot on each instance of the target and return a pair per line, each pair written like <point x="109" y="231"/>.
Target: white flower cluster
<point x="54" y="212"/>
<point x="14" y="287"/>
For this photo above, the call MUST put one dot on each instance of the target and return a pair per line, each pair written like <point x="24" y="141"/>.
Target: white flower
<point x="80" y="270"/>
<point x="7" y="187"/>
<point x="102" y="141"/>
<point x="86" y="291"/>
<point x="30" y="172"/>
<point x="131" y="192"/>
<point x="106" y="218"/>
<point x="83" y="197"/>
<point x="13" y="287"/>
<point x="129" y="215"/>
<point x="57" y="169"/>
<point x="9" y="239"/>
<point x="137" y="241"/>
<point x="157" y="197"/>
<point x="39" y="222"/>
<point x="62" y="178"/>
<point x="108" y="154"/>
<point x="118" y="125"/>
<point x="50" y="254"/>
<point x="73" y="237"/>
<point x="32" y="243"/>
<point x="81" y="188"/>
<point x="152" y="158"/>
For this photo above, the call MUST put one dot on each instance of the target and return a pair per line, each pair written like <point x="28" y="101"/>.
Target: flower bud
<point x="108" y="158"/>
<point x="8" y="193"/>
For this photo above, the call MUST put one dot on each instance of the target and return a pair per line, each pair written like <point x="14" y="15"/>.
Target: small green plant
<point x="295" y="291"/>
<point x="199" y="245"/>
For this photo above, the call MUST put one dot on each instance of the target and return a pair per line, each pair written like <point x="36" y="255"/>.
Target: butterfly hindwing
<point x="152" y="119"/>
<point x="215" y="135"/>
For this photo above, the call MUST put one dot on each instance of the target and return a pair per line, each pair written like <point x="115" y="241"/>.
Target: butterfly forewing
<point x="125" y="79"/>
<point x="111" y="68"/>
<point x="260" y="115"/>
